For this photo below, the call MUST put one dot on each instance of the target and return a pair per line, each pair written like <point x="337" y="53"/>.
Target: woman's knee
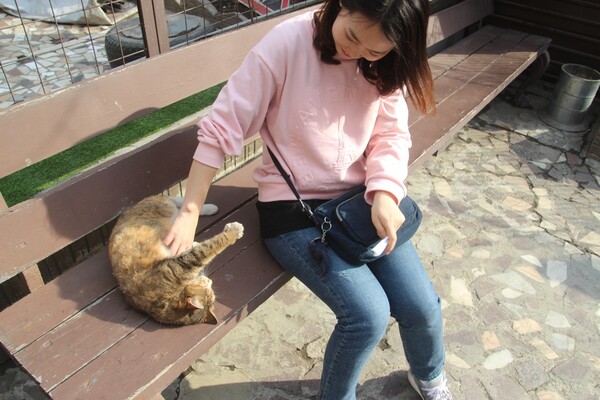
<point x="369" y="322"/>
<point x="421" y="315"/>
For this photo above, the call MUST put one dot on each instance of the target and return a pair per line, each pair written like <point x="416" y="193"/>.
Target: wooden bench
<point x="74" y="335"/>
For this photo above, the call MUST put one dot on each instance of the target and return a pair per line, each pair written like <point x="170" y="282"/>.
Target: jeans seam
<point x="325" y="385"/>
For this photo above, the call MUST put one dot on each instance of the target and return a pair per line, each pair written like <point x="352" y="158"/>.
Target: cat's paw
<point x="236" y="227"/>
<point x="209" y="209"/>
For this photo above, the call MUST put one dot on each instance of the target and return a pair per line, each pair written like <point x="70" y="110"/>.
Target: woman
<point x="326" y="91"/>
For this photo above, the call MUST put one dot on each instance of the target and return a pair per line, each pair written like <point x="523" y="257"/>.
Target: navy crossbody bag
<point x="346" y="226"/>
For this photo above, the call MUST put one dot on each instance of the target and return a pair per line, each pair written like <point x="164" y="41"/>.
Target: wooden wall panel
<point x="573" y="26"/>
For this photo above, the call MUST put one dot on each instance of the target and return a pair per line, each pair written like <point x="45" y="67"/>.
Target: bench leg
<point x="539" y="68"/>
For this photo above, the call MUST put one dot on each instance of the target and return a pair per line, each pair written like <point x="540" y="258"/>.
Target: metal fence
<point x="49" y="45"/>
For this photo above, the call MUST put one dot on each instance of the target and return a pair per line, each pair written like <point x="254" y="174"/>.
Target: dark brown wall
<point x="573" y="26"/>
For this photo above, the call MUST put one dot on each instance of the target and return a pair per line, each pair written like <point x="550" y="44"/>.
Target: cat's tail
<point x="201" y="254"/>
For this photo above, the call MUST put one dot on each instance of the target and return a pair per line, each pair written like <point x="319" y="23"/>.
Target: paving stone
<point x="557" y="320"/>
<point x="470" y="388"/>
<point x="528" y="325"/>
<point x="499" y="359"/>
<point x="545" y="395"/>
<point x="462" y="337"/>
<point x="563" y="342"/>
<point x="503" y="387"/>
<point x="531" y="375"/>
<point x="571" y="370"/>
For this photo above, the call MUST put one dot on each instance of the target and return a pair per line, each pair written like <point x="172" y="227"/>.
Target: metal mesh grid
<point x="40" y="56"/>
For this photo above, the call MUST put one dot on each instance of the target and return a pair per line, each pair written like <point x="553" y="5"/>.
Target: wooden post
<point x="154" y="25"/>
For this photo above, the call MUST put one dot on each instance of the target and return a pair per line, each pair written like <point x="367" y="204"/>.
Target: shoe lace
<point x="439" y="392"/>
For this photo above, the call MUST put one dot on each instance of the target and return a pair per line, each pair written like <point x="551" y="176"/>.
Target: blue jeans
<point x="363" y="298"/>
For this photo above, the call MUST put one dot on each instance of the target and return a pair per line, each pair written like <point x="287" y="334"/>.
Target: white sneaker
<point x="436" y="389"/>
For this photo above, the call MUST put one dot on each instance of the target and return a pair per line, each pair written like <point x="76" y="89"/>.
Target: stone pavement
<point x="511" y="239"/>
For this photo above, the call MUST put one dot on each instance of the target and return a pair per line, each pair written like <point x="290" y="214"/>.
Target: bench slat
<point x="456" y="66"/>
<point x="457" y="53"/>
<point x="39" y="227"/>
<point x="54" y="357"/>
<point x="55" y="302"/>
<point x="460" y="107"/>
<point x="445" y="60"/>
<point x="462" y="74"/>
<point x="242" y="284"/>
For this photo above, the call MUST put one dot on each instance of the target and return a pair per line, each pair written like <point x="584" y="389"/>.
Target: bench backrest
<point x="35" y="130"/>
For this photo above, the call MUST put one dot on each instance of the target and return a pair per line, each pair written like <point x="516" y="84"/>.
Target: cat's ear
<point x="194" y="303"/>
<point x="210" y="318"/>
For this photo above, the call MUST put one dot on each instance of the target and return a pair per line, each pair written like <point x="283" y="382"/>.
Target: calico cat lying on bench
<point x="171" y="289"/>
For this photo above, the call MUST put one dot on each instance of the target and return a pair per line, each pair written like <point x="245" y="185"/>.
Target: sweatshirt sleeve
<point x="238" y="112"/>
<point x="388" y="149"/>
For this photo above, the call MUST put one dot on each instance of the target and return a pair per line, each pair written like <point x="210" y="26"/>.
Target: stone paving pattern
<point x="511" y="239"/>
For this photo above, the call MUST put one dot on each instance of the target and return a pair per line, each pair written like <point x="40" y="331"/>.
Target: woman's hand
<point x="387" y="217"/>
<point x="181" y="235"/>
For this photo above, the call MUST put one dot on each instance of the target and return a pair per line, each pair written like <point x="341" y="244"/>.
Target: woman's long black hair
<point x="404" y="23"/>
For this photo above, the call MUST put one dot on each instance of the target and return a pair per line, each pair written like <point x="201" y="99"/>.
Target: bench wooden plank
<point x="457" y="65"/>
<point x="243" y="283"/>
<point x="54" y="303"/>
<point x="462" y="74"/>
<point x="457" y="53"/>
<point x="36" y="228"/>
<point x="444" y="61"/>
<point x="70" y="346"/>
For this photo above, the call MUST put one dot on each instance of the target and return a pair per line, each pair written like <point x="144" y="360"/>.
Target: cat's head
<point x="200" y="302"/>
<point x="193" y="304"/>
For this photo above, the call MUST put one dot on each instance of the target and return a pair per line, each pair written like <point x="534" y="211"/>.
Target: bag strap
<point x="305" y="207"/>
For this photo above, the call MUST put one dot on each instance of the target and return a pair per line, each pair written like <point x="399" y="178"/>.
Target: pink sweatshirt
<point x="326" y="124"/>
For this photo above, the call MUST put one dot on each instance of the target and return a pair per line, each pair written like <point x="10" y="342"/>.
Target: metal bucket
<point x="573" y="96"/>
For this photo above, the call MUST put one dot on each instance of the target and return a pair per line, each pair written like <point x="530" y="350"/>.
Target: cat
<point x="171" y="289"/>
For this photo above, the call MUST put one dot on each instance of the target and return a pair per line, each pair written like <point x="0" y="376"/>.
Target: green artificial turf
<point x="29" y="181"/>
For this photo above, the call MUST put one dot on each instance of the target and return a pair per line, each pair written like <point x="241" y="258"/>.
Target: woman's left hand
<point x="387" y="217"/>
